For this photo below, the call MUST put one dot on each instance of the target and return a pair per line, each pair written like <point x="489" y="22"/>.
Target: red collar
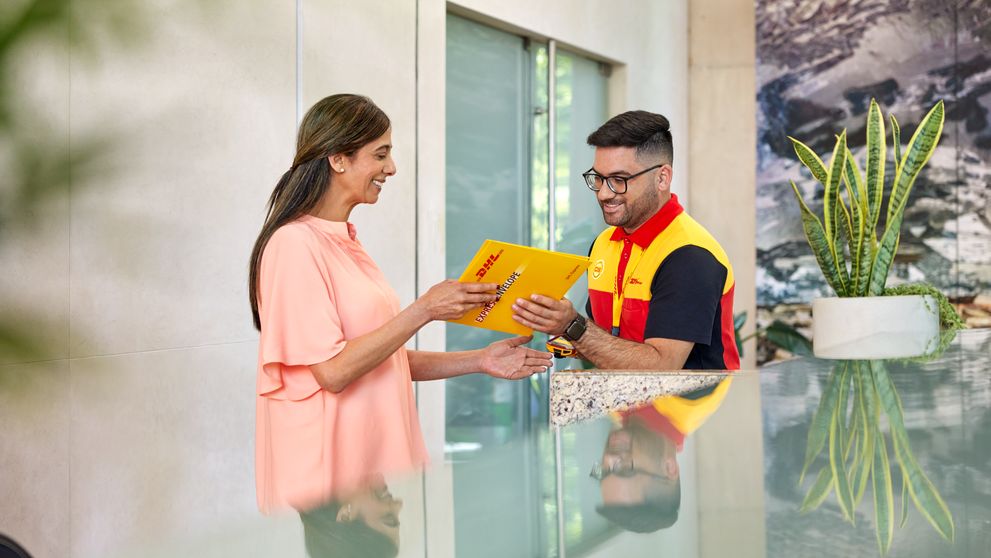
<point x="647" y="232"/>
<point x="657" y="422"/>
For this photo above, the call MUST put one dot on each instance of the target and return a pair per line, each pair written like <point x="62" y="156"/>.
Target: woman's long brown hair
<point x="339" y="124"/>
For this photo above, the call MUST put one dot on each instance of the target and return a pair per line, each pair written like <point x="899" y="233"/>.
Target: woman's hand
<point x="449" y="300"/>
<point x="511" y="359"/>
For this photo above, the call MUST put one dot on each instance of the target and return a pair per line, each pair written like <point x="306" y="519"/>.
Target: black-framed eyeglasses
<point x="618" y="184"/>
<point x="621" y="468"/>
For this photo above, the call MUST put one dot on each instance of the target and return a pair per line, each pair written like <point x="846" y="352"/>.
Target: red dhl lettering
<point x="487" y="265"/>
<point x="635" y="281"/>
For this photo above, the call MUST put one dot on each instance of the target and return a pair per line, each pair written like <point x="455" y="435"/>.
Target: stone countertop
<point x="578" y="395"/>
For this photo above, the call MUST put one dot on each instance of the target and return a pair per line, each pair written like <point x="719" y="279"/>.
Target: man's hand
<point x="544" y="314"/>
<point x="511" y="360"/>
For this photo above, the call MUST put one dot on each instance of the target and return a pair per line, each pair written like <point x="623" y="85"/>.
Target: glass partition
<point x="497" y="188"/>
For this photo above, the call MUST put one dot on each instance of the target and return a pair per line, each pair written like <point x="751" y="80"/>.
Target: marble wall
<point x="818" y="65"/>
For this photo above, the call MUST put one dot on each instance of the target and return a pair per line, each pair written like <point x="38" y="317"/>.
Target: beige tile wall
<point x="723" y="143"/>
<point x="34" y="252"/>
<point x="34" y="456"/>
<point x="203" y="111"/>
<point x="722" y="171"/>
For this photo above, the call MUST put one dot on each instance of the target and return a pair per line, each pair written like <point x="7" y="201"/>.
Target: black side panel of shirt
<point x="685" y="304"/>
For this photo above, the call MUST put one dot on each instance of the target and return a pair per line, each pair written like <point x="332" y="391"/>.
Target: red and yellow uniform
<point x="677" y="416"/>
<point x="668" y="279"/>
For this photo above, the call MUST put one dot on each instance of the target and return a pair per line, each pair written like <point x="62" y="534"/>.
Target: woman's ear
<point x="345" y="515"/>
<point x="337" y="161"/>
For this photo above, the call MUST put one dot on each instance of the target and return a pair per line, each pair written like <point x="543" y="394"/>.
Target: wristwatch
<point x="575" y="329"/>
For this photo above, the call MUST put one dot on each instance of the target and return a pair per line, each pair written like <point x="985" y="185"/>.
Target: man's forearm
<point x="607" y="351"/>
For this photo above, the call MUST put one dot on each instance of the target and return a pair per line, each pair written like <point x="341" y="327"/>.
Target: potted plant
<point x="861" y="321"/>
<point x="846" y="430"/>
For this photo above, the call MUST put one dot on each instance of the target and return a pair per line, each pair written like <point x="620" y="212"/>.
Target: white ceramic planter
<point x="874" y="327"/>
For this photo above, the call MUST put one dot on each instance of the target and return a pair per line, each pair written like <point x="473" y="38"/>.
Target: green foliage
<point x="857" y="449"/>
<point x="778" y="333"/>
<point x="861" y="267"/>
<point x="949" y="319"/>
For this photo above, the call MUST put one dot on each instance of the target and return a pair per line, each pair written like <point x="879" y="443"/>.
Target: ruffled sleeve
<point x="300" y="323"/>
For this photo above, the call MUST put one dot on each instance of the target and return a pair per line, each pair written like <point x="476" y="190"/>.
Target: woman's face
<point x="365" y="173"/>
<point x="379" y="510"/>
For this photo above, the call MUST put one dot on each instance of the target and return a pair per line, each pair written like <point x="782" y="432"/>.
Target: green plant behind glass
<point x="846" y="429"/>
<point x="860" y="266"/>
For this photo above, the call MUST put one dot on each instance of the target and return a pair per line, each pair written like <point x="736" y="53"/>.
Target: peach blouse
<point x="318" y="288"/>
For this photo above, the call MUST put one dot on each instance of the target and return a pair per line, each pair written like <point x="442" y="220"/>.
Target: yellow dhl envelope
<point x="520" y="272"/>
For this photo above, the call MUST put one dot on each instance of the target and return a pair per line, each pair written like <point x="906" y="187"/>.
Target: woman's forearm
<point x="428" y="365"/>
<point x="362" y="354"/>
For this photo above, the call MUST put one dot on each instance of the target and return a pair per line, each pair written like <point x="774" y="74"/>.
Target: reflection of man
<point x="660" y="287"/>
<point x="639" y="476"/>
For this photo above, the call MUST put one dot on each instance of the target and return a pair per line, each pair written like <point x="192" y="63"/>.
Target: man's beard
<point x="637" y="212"/>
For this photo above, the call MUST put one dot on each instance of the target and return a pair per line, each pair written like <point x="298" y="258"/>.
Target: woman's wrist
<point x="420" y="313"/>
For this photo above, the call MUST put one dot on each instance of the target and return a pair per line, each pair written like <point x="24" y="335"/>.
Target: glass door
<point x="497" y="435"/>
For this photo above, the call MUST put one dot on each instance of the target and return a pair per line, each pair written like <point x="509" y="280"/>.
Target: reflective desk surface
<point x="896" y="458"/>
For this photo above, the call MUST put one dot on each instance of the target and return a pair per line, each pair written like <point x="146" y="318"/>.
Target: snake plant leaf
<point x="883" y="497"/>
<point x="920" y="149"/>
<point x="885" y="254"/>
<point x="876" y="152"/>
<point x="925" y="496"/>
<point x="840" y="210"/>
<point x="922" y="491"/>
<point x="904" y="502"/>
<point x="859" y="216"/>
<point x="887" y="396"/>
<point x="819" y="427"/>
<point x="840" y="480"/>
<point x="866" y="466"/>
<point x="896" y="140"/>
<point x="842" y="405"/>
<point x="837" y="164"/>
<point x="810" y="160"/>
<point x="869" y="252"/>
<point x="820" y="490"/>
<point x="866" y="452"/>
<point x="819" y="242"/>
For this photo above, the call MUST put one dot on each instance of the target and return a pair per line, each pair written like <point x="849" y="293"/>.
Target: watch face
<point x="575" y="328"/>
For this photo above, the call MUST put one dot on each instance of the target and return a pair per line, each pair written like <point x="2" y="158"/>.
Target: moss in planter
<point x="949" y="320"/>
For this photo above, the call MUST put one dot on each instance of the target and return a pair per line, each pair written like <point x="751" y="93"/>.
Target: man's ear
<point x="671" y="469"/>
<point x="665" y="175"/>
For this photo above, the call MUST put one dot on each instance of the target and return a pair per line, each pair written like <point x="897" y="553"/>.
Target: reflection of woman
<point x="364" y="523"/>
<point x="335" y="402"/>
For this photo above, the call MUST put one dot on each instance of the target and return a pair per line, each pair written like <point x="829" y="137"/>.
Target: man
<point x="639" y="477"/>
<point x="660" y="286"/>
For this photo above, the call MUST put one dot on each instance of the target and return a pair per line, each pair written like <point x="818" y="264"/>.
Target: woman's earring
<point x="340" y="169"/>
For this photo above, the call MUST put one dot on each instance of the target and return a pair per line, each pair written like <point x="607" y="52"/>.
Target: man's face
<point x="645" y="194"/>
<point x="656" y="473"/>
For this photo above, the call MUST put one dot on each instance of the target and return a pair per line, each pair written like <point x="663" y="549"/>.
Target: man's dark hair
<point x="648" y="132"/>
<point x="659" y="511"/>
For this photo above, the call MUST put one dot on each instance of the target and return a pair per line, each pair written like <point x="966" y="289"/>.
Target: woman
<point x="335" y="399"/>
<point x="362" y="524"/>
